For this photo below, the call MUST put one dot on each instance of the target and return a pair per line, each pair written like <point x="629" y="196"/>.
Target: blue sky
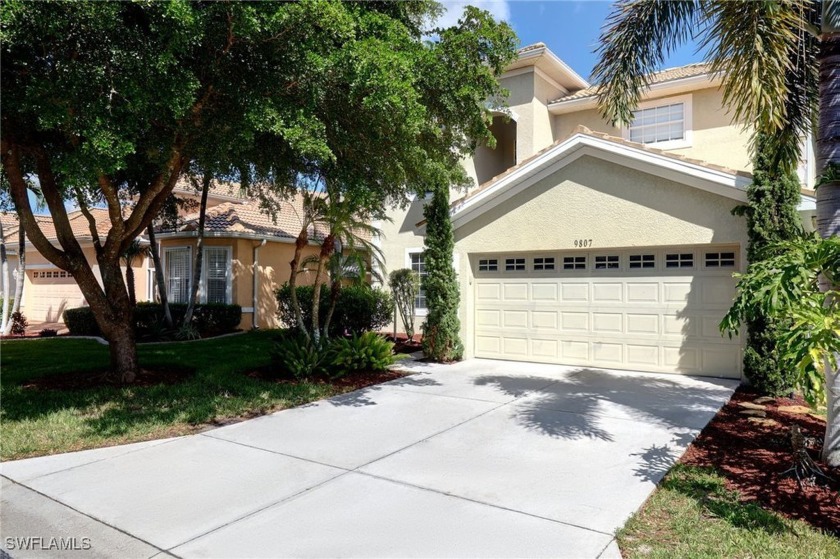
<point x="570" y="28"/>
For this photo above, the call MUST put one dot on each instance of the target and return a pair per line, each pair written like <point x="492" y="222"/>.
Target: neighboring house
<point x="591" y="245"/>
<point x="239" y="238"/>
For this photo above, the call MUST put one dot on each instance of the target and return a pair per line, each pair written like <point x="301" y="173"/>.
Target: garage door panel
<point x="661" y="320"/>
<point x="544" y="292"/>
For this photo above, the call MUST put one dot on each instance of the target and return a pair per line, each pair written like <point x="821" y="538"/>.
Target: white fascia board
<point x="683" y="172"/>
<point x="673" y="87"/>
<point x="223" y="235"/>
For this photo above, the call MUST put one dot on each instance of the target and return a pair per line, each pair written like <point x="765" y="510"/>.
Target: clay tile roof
<point x="229" y="190"/>
<point x="586" y="131"/>
<point x="78" y="224"/>
<point x="663" y="76"/>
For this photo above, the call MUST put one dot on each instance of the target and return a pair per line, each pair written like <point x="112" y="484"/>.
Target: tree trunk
<point x="129" y="281"/>
<point x="199" y="245"/>
<point x="828" y="199"/>
<point x="327" y="247"/>
<point x="21" y="274"/>
<point x="159" y="279"/>
<point x="123" y="348"/>
<point x="4" y="270"/>
<point x="300" y="243"/>
<point x="335" y="291"/>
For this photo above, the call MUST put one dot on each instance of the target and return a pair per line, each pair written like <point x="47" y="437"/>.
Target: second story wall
<point x="712" y="136"/>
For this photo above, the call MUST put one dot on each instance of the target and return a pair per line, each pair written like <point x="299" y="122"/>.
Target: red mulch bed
<point x="754" y="457"/>
<point x="95" y="379"/>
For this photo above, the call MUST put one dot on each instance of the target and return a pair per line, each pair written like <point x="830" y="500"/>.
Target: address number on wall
<point x="583" y="243"/>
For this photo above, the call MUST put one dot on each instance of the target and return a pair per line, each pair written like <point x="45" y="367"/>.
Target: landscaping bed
<point x="732" y="495"/>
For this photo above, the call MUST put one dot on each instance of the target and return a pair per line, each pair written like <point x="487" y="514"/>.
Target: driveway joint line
<point x="261" y="509"/>
<point x="95" y="519"/>
<point x="476" y="501"/>
<point x="277" y="452"/>
<point x="601" y="554"/>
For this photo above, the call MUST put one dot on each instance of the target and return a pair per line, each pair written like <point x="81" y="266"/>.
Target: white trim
<point x="685" y="172"/>
<point x="202" y="286"/>
<point x="688" y="122"/>
<point x="671" y="87"/>
<point x="408" y="252"/>
<point x="555" y="61"/>
<point x="228" y="235"/>
<point x="248" y="309"/>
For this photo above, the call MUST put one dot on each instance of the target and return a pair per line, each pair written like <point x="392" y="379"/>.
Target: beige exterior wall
<point x="593" y="199"/>
<point x="715" y="138"/>
<point x="274" y="271"/>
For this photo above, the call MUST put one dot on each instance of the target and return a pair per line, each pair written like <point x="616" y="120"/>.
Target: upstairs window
<point x="665" y="123"/>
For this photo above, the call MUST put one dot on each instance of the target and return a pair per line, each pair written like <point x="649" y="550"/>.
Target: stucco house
<point x="246" y="257"/>
<point x="586" y="244"/>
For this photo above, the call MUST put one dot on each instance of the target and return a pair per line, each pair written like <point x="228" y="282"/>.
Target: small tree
<point x="405" y="284"/>
<point x="772" y="216"/>
<point x="441" y="339"/>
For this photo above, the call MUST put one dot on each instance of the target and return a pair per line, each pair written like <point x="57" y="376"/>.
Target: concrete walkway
<point x="478" y="459"/>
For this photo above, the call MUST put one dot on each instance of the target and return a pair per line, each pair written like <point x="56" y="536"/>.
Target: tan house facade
<point x="585" y="244"/>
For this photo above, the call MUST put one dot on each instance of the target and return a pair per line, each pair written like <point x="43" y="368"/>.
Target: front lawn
<point x="39" y="421"/>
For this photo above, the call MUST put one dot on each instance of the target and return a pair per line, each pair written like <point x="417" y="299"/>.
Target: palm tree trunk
<point x="327" y="247"/>
<point x="4" y="270"/>
<point x="335" y="291"/>
<point x="828" y="199"/>
<point x="301" y="242"/>
<point x="129" y="281"/>
<point x="199" y="245"/>
<point x="159" y="279"/>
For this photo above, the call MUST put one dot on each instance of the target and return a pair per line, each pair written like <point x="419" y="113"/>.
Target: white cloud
<point x="499" y="9"/>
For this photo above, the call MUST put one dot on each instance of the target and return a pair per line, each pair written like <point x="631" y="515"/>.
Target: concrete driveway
<point x="477" y="459"/>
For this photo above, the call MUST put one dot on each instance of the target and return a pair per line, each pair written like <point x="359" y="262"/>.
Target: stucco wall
<point x="595" y="199"/>
<point x="715" y="139"/>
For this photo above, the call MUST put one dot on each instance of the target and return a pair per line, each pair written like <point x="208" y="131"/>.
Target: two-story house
<point x="590" y="245"/>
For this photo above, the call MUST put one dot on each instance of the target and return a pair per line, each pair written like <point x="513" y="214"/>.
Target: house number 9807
<point x="583" y="243"/>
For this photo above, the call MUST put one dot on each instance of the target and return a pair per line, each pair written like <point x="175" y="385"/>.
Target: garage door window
<point x="178" y="274"/>
<point x="514" y="264"/>
<point x="542" y="264"/>
<point x="679" y="260"/>
<point x="642" y="261"/>
<point x="606" y="262"/>
<point x="488" y="265"/>
<point x="720" y="259"/>
<point x="574" y="262"/>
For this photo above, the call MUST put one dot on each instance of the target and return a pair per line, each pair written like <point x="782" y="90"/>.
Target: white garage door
<point x="642" y="309"/>
<point x="52" y="292"/>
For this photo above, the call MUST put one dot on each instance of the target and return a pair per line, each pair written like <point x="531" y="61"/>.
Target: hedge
<point x="148" y="319"/>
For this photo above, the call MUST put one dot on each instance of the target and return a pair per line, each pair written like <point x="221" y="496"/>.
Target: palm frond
<point x="767" y="61"/>
<point x="635" y="42"/>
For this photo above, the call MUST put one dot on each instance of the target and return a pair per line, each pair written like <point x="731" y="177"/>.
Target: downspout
<point x="256" y="280"/>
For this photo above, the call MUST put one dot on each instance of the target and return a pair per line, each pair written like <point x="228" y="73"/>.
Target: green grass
<point x="693" y="515"/>
<point x="38" y="422"/>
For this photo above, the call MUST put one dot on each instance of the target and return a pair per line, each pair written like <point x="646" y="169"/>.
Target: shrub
<point x="361" y="308"/>
<point x="187" y="332"/>
<point x="368" y="352"/>
<point x="148" y="320"/>
<point x="80" y="322"/>
<point x="19" y="324"/>
<point x="299" y="356"/>
<point x="358" y="309"/>
<point x="48" y="333"/>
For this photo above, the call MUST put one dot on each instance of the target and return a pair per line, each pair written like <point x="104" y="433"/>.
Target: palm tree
<point x="779" y="62"/>
<point x="134" y="251"/>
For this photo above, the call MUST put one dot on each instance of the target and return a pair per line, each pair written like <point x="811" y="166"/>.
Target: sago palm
<point x="779" y="62"/>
